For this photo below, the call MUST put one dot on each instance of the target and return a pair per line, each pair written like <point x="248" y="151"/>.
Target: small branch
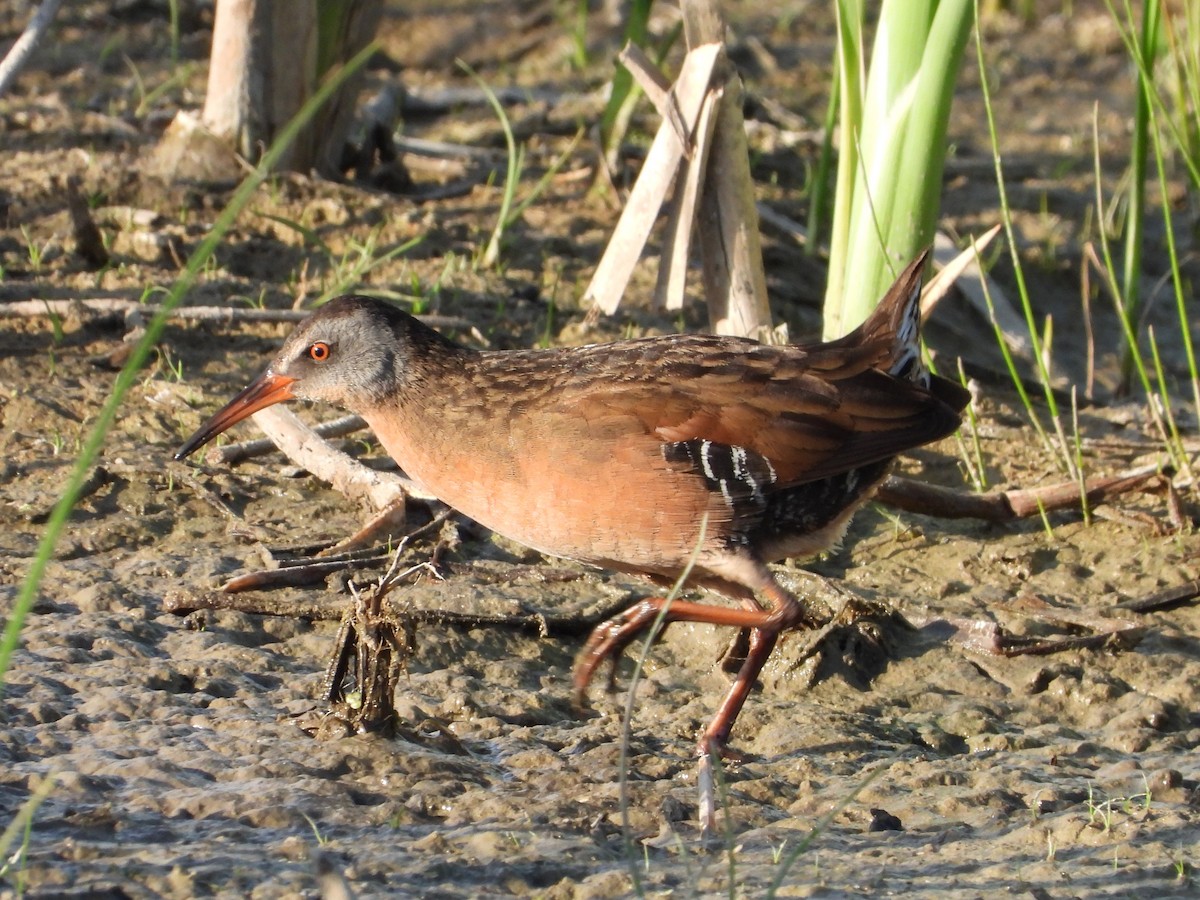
<point x="418" y="100"/>
<point x="330" y="607"/>
<point x="1160" y="601"/>
<point x="1007" y="506"/>
<point x="658" y="173"/>
<point x="109" y="306"/>
<point x="735" y="284"/>
<point x="983" y="636"/>
<point x="235" y="453"/>
<point x="305" y="447"/>
<point x="677" y="239"/>
<point x="657" y="90"/>
<point x="961" y="268"/>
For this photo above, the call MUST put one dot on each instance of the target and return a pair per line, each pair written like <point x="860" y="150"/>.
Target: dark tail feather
<point x="896" y="324"/>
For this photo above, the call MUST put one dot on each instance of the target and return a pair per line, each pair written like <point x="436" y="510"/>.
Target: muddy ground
<point x="182" y="768"/>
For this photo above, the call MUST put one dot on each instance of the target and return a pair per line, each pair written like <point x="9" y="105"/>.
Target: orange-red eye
<point x="319" y="352"/>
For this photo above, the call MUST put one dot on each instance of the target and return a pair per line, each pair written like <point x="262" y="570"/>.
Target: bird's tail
<point x="895" y="326"/>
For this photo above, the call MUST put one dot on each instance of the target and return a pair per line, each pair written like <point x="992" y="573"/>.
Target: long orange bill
<point x="265" y="390"/>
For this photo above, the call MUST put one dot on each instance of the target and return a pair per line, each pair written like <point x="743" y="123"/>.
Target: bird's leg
<point x="712" y="743"/>
<point x="610" y="638"/>
<point x="714" y="737"/>
<point x="764" y="626"/>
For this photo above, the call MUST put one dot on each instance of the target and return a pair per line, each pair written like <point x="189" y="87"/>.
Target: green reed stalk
<point x="893" y="145"/>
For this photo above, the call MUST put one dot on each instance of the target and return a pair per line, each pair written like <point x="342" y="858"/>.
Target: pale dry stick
<point x="735" y="283"/>
<point x="111" y="306"/>
<point x="958" y="269"/>
<point x="669" y="292"/>
<point x="386" y="492"/>
<point x="952" y="264"/>
<point x="962" y="267"/>
<point x="16" y="58"/>
<point x="446" y="150"/>
<point x="346" y="475"/>
<point x="450" y="100"/>
<point x="672" y="267"/>
<point x="650" y="190"/>
<point x="720" y="190"/>
<point x="658" y="91"/>
<point x="991" y="638"/>
<point x="235" y="453"/>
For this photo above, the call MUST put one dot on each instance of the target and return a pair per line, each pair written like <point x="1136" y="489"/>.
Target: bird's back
<point x="614" y="453"/>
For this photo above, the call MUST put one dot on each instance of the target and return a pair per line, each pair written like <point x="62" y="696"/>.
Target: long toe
<point x="608" y="641"/>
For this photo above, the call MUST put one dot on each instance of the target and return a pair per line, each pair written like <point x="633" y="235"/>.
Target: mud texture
<point x="181" y="744"/>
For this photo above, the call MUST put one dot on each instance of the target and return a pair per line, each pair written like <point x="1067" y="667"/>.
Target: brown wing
<point x="807" y="424"/>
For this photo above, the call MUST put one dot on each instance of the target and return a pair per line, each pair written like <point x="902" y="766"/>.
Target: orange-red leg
<point x="610" y="638"/>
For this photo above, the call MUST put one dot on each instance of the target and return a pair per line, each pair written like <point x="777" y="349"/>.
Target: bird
<point x="658" y="456"/>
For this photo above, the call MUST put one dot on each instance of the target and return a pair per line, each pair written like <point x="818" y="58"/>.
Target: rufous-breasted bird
<point x="639" y="455"/>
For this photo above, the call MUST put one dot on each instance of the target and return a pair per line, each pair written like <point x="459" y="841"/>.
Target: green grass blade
<point x="128" y="375"/>
<point x="1136" y="217"/>
<point x="818" y="198"/>
<point x="1039" y="354"/>
<point x="652" y="635"/>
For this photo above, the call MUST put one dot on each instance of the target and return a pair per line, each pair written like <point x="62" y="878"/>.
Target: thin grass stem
<point x="1019" y="274"/>
<point x="656" y="628"/>
<point x="1135" y="218"/>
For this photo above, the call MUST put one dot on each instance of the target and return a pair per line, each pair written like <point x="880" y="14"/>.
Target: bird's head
<point x="353" y="353"/>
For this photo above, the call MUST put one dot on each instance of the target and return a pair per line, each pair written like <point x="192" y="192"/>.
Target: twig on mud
<point x="342" y="555"/>
<point x="447" y="150"/>
<point x="1007" y="506"/>
<point x="436" y="100"/>
<point x="331" y="607"/>
<point x="1160" y="601"/>
<point x="992" y="639"/>
<point x="308" y="573"/>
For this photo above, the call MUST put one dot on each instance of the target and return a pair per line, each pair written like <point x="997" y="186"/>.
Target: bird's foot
<point x="608" y="641"/>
